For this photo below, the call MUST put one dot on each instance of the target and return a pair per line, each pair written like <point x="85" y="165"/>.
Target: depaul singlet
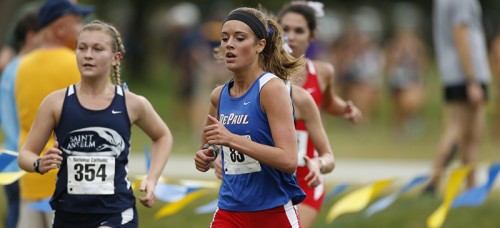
<point x="95" y="145"/>
<point x="249" y="185"/>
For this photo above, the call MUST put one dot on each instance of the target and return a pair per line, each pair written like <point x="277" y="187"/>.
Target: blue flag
<point x="172" y="193"/>
<point x="207" y="208"/>
<point x="476" y="196"/>
<point x="385" y="202"/>
<point x="42" y="205"/>
<point x="8" y="162"/>
<point x="339" y="189"/>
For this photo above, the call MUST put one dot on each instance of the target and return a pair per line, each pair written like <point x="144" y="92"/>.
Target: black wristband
<point x="36" y="165"/>
<point x="214" y="147"/>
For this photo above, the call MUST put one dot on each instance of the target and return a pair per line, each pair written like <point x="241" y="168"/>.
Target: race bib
<point x="91" y="175"/>
<point x="302" y="137"/>
<point x="239" y="163"/>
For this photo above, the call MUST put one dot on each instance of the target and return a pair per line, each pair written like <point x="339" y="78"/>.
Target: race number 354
<point x="90" y="172"/>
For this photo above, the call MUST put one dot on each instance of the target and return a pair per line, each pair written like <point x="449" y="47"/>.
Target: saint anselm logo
<point x="93" y="141"/>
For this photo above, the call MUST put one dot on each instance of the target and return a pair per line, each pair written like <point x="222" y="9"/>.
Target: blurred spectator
<point x="26" y="36"/>
<point x="10" y="45"/>
<point x="358" y="66"/>
<point x="406" y="62"/>
<point x="462" y="59"/>
<point x="7" y="52"/>
<point x="208" y="73"/>
<point x="494" y="59"/>
<point x="187" y="42"/>
<point x="49" y="68"/>
<point x="329" y="29"/>
<point x="192" y="56"/>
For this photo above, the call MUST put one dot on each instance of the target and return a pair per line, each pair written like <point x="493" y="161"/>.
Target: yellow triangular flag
<point x="357" y="200"/>
<point x="139" y="178"/>
<point x="454" y="182"/>
<point x="136" y="184"/>
<point x="175" y="207"/>
<point x="10" y="177"/>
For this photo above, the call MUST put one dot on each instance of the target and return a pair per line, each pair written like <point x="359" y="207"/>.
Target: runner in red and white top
<point x="299" y="23"/>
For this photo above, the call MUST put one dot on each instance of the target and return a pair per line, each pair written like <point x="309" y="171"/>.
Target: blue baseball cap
<point x="54" y="9"/>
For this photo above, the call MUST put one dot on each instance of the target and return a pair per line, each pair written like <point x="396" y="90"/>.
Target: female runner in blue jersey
<point x="251" y="118"/>
<point x="92" y="121"/>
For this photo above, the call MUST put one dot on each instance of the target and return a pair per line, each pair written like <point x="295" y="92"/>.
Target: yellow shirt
<point x="40" y="73"/>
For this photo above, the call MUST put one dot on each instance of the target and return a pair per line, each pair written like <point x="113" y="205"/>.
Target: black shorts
<point x="459" y="93"/>
<point x="63" y="219"/>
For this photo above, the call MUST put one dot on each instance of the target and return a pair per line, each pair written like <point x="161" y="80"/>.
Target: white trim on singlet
<point x="264" y="79"/>
<point x="71" y="90"/>
<point x="310" y="67"/>
<point x="288" y="86"/>
<point x="119" y="90"/>
<point x="127" y="172"/>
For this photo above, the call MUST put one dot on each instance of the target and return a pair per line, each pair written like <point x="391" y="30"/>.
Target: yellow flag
<point x="454" y="182"/>
<point x="175" y="207"/>
<point x="357" y="200"/>
<point x="136" y="184"/>
<point x="139" y="178"/>
<point x="10" y="177"/>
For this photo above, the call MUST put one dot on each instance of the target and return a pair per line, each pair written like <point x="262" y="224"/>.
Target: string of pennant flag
<point x="177" y="194"/>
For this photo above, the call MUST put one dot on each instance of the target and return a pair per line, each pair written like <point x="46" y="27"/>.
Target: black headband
<point x="251" y="20"/>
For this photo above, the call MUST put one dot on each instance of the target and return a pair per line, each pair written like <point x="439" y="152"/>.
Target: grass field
<point x="374" y="142"/>
<point x="410" y="211"/>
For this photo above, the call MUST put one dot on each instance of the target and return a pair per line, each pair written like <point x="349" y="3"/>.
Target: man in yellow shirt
<point x="51" y="67"/>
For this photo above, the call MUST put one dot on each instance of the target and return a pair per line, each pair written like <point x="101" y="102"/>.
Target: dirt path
<point x="354" y="171"/>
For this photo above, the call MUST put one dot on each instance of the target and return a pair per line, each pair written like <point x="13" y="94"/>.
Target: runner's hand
<point x="203" y="159"/>
<point x="148" y="187"/>
<point x="216" y="133"/>
<point x="352" y="113"/>
<point x="51" y="159"/>
<point x="314" y="177"/>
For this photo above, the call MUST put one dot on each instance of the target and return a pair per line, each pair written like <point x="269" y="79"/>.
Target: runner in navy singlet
<point x="92" y="121"/>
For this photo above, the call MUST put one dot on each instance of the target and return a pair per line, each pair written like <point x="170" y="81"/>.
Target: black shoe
<point x="429" y="190"/>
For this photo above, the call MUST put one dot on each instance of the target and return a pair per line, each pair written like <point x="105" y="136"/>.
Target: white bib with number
<point x="302" y="137"/>
<point x="91" y="175"/>
<point x="239" y="163"/>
